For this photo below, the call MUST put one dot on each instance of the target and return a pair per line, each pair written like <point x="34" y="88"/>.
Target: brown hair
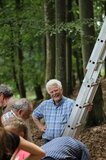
<point x="18" y="124"/>
<point x="3" y="140"/>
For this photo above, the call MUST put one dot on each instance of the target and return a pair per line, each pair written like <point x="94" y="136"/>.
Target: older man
<point x="55" y="111"/>
<point x="20" y="108"/>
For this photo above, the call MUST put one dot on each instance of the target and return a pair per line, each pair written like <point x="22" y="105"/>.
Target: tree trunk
<point x="20" y="73"/>
<point x="38" y="92"/>
<point x="60" y="44"/>
<point x="20" y="53"/>
<point x="69" y="77"/>
<point x="105" y="15"/>
<point x="12" y="48"/>
<point x="86" y="12"/>
<point x="96" y="116"/>
<point x="79" y="66"/>
<point x="1" y="4"/>
<point x="50" y="41"/>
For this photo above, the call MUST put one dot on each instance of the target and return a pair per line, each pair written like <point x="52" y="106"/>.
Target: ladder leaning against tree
<point x="89" y="85"/>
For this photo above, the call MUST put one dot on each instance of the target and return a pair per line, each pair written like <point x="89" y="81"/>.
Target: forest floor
<point x="94" y="138"/>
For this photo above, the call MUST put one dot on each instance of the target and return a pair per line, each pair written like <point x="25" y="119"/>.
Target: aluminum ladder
<point x="89" y="86"/>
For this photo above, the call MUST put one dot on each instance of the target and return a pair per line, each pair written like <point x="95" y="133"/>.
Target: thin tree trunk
<point x="20" y="73"/>
<point x="50" y="40"/>
<point x="96" y="116"/>
<point x="13" y="60"/>
<point x="69" y="77"/>
<point x="20" y="53"/>
<point x="38" y="92"/>
<point x="105" y="15"/>
<point x="60" y="6"/>
<point x="50" y="43"/>
<point x="79" y="66"/>
<point x="86" y="12"/>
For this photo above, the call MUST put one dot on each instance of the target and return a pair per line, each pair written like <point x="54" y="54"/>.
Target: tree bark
<point x="60" y="6"/>
<point x="96" y="116"/>
<point x="50" y="40"/>
<point x="69" y="74"/>
<point x="105" y="15"/>
<point x="20" y="53"/>
<point x="79" y="66"/>
<point x="38" y="92"/>
<point x="86" y="12"/>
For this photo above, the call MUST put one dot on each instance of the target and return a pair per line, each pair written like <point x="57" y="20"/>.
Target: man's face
<point x="55" y="93"/>
<point x="1" y="100"/>
<point x="25" y="114"/>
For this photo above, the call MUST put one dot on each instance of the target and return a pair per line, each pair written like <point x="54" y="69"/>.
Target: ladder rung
<point x="78" y="125"/>
<point x="93" y="84"/>
<point x="87" y="104"/>
<point x="100" y="62"/>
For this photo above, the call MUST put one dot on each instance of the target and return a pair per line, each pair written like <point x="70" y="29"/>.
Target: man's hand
<point x="89" y="108"/>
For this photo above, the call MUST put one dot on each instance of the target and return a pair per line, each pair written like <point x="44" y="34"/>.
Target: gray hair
<point x="6" y="90"/>
<point x="22" y="103"/>
<point x="52" y="82"/>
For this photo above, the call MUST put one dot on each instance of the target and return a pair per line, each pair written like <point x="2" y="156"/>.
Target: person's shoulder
<point x="7" y="116"/>
<point x="65" y="140"/>
<point x="67" y="99"/>
<point x="43" y="104"/>
<point x="47" y="101"/>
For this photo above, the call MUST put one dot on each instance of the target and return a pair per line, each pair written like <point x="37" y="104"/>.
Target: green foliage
<point x="29" y="23"/>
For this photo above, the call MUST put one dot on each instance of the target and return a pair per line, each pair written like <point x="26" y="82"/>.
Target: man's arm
<point x="39" y="124"/>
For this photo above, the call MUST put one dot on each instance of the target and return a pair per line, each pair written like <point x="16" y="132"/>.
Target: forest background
<point x="41" y="40"/>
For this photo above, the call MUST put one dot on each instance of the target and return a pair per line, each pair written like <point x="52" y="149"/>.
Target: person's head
<point x="54" y="89"/>
<point x="3" y="143"/>
<point x="17" y="126"/>
<point x="5" y="94"/>
<point x="22" y="108"/>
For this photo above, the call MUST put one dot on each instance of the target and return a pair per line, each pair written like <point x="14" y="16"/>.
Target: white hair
<point x="52" y="82"/>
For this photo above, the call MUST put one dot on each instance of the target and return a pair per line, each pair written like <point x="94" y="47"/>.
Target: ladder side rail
<point x="82" y="119"/>
<point x="94" y="61"/>
<point x="83" y="115"/>
<point x="98" y="68"/>
<point x="83" y="90"/>
<point x="101" y="37"/>
<point x="72" y="122"/>
<point x="75" y="117"/>
<point x="86" y="92"/>
<point x="75" y="114"/>
<point x="83" y="93"/>
<point x="89" y="92"/>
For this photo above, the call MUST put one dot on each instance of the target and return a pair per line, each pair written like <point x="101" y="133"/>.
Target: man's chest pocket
<point x="63" y="119"/>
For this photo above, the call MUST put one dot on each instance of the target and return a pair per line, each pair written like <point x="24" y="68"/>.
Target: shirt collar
<point x="61" y="101"/>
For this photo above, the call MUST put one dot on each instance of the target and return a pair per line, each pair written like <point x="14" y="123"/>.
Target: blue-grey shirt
<point x="65" y="148"/>
<point x="55" y="116"/>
